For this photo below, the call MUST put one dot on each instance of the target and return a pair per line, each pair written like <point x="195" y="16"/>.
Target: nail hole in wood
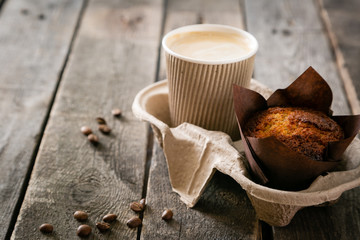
<point x="41" y="16"/>
<point x="24" y="11"/>
<point x="286" y="32"/>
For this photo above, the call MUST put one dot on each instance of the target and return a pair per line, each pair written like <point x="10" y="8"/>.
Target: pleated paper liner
<point x="274" y="164"/>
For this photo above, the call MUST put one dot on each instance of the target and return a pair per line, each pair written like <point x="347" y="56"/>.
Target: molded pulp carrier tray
<point x="193" y="154"/>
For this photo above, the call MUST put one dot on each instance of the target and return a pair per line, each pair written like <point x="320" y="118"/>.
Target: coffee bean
<point x="167" y="215"/>
<point x="80" y="216"/>
<point x="143" y="203"/>
<point x="104" y="128"/>
<point x="109" y="218"/>
<point x="83" y="230"/>
<point x="103" y="227"/>
<point x="46" y="228"/>
<point x="136" y="207"/>
<point x="93" y="138"/>
<point x="133" y="222"/>
<point x="100" y="120"/>
<point x="116" y="112"/>
<point x="86" y="130"/>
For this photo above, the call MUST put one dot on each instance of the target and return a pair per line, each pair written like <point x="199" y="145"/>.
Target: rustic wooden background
<point x="65" y="62"/>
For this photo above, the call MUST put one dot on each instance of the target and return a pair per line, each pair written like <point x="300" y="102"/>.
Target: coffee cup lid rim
<point x="208" y="27"/>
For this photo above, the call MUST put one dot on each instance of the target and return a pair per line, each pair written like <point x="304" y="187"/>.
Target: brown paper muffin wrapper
<point x="274" y="164"/>
<point x="193" y="154"/>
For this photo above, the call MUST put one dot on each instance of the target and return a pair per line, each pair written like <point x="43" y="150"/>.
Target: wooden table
<point x="66" y="62"/>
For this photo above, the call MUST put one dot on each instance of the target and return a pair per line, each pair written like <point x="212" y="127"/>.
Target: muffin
<point x="303" y="130"/>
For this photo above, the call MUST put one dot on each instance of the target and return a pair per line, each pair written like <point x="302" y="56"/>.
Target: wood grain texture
<point x="339" y="221"/>
<point x="343" y="25"/>
<point x="114" y="56"/>
<point x="223" y="211"/>
<point x="292" y="38"/>
<point x="187" y="12"/>
<point x="345" y="21"/>
<point x="34" y="41"/>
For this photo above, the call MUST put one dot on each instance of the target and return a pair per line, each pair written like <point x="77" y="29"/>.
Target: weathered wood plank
<point x="339" y="221"/>
<point x="34" y="42"/>
<point x="343" y="23"/>
<point x="292" y="37"/>
<point x="181" y="13"/>
<point x="224" y="211"/>
<point x="114" y="56"/>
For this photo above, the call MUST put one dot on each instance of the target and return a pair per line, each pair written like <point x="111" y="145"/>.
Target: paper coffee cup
<point x="202" y="63"/>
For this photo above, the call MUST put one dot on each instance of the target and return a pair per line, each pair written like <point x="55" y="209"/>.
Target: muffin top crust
<point x="303" y="130"/>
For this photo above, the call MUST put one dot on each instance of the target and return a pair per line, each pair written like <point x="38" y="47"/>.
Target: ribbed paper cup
<point x="200" y="91"/>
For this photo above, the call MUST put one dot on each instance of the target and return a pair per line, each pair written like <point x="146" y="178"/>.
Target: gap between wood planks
<point x="1" y="4"/>
<point x="150" y="143"/>
<point x="339" y="59"/>
<point x="265" y="231"/>
<point x="44" y="124"/>
<point x="149" y="150"/>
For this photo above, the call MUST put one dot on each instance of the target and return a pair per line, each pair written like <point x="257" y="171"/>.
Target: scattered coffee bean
<point x="103" y="227"/>
<point x="104" y="128"/>
<point x="46" y="228"/>
<point x="80" y="215"/>
<point x="133" y="222"/>
<point x="116" y="112"/>
<point x="143" y="203"/>
<point x="83" y="230"/>
<point x="167" y="215"/>
<point x="86" y="130"/>
<point x="136" y="207"/>
<point x="93" y="138"/>
<point x="109" y="218"/>
<point x="100" y="120"/>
